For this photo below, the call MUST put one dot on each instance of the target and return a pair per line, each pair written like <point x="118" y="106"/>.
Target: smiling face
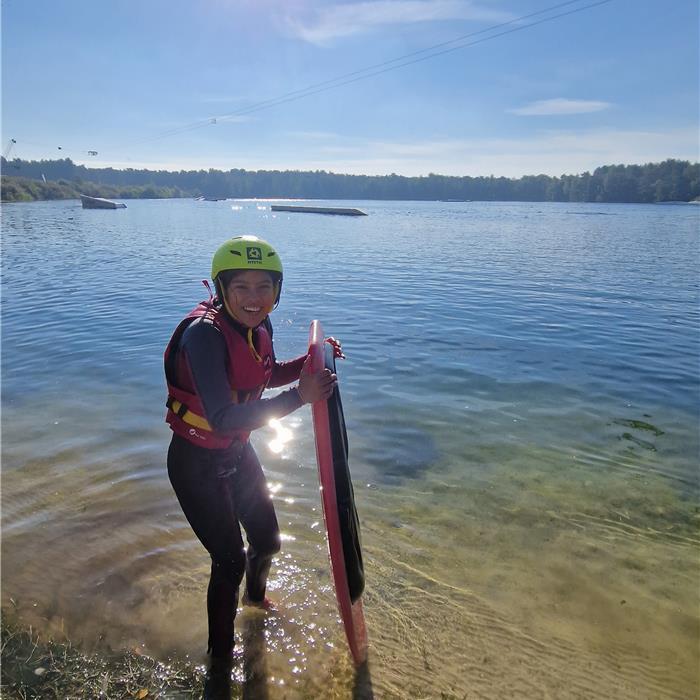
<point x="250" y="296"/>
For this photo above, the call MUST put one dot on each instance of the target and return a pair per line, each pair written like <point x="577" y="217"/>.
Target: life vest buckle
<point x="181" y="408"/>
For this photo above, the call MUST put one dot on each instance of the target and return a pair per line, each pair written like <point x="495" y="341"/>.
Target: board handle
<point x="316" y="346"/>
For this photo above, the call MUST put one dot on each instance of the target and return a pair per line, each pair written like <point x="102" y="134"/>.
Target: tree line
<point x="670" y="180"/>
<point x="23" y="189"/>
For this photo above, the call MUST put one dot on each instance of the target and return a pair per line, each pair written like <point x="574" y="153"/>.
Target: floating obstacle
<point x="99" y="203"/>
<point x="342" y="211"/>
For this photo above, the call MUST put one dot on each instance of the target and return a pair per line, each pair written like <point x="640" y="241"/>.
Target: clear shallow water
<point x="522" y="397"/>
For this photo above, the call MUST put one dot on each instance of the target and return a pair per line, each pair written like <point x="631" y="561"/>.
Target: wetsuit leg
<point x="257" y="515"/>
<point x="203" y="482"/>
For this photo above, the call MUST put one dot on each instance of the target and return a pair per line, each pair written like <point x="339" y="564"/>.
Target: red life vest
<point x="248" y="376"/>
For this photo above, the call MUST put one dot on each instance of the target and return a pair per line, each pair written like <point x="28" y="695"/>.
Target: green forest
<point x="668" y="181"/>
<point x="23" y="189"/>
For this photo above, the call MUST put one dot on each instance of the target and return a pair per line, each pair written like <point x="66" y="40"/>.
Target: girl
<point x="217" y="365"/>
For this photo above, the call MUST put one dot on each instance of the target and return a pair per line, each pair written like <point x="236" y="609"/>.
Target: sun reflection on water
<point x="283" y="435"/>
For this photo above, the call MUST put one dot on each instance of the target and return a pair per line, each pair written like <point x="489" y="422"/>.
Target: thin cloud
<point x="549" y="153"/>
<point x="560" y="106"/>
<point x="331" y="22"/>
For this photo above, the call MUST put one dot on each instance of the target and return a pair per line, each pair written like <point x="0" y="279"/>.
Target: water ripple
<point x="521" y="394"/>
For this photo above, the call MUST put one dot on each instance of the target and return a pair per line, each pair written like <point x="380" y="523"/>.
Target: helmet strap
<point x="278" y="294"/>
<point x="221" y="293"/>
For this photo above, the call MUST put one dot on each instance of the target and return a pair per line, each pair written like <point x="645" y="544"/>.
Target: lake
<point x="522" y="399"/>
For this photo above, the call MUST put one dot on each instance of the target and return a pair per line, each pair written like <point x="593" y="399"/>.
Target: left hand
<point x="337" y="349"/>
<point x="317" y="386"/>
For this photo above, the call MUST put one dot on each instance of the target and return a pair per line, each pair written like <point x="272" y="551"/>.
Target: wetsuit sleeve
<point x="205" y="349"/>
<point x="286" y="372"/>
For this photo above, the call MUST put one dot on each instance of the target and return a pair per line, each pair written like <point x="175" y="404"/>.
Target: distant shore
<point x="21" y="189"/>
<point x="667" y="181"/>
<point x="94" y="190"/>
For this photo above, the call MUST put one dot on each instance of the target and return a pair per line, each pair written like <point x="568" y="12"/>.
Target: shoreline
<point x="664" y="181"/>
<point x="354" y="199"/>
<point x="35" y="667"/>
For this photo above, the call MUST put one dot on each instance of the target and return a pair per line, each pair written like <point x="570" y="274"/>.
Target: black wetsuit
<point x="219" y="490"/>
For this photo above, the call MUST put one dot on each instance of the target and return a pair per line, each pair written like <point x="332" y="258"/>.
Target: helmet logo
<point x="253" y="254"/>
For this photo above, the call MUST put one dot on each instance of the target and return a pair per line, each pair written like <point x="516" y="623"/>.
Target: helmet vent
<point x="236" y="252"/>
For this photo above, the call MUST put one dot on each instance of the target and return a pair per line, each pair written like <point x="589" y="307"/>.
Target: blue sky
<point x="142" y="81"/>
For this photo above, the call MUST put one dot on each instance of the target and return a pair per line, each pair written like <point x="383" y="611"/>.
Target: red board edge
<point x="351" y="613"/>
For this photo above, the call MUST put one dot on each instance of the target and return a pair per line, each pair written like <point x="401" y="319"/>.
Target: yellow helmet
<point x="247" y="253"/>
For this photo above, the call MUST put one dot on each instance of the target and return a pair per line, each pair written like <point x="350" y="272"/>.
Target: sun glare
<point x="282" y="436"/>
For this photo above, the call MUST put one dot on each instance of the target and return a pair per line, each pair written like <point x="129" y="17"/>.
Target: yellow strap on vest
<point x="257" y="357"/>
<point x="191" y="418"/>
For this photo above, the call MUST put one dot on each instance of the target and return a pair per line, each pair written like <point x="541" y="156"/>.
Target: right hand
<point x="317" y="386"/>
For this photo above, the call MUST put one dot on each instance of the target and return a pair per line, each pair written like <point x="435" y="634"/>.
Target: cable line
<point x="282" y="100"/>
<point x="330" y="82"/>
<point x="384" y="67"/>
<point x="414" y="57"/>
